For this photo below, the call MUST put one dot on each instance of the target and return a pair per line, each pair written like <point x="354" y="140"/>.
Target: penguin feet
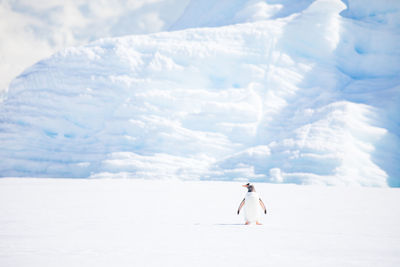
<point x="257" y="222"/>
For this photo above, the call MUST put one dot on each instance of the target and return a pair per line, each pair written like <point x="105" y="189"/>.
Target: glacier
<point x="277" y="91"/>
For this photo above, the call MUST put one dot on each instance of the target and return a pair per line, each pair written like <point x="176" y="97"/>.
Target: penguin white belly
<point x="252" y="207"/>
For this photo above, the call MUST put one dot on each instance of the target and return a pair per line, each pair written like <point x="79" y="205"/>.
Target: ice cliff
<point x="272" y="91"/>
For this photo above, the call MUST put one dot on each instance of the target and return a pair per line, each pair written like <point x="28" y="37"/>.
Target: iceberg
<point x="302" y="92"/>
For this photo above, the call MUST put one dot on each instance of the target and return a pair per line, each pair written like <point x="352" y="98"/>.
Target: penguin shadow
<point x="228" y="224"/>
<point x="237" y="224"/>
<point x="221" y="224"/>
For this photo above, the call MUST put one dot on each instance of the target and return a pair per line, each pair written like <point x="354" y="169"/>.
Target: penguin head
<point x="250" y="187"/>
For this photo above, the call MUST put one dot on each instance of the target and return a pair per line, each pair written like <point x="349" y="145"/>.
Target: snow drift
<point x="299" y="93"/>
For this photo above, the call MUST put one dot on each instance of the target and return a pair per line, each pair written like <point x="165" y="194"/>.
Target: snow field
<point x="127" y="222"/>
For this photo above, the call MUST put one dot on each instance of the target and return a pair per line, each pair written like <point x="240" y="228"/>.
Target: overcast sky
<point x="32" y="30"/>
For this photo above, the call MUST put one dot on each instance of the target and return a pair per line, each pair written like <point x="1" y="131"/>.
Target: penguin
<point x="252" y="203"/>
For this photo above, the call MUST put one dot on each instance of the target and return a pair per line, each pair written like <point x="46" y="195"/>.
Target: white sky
<point x="32" y="30"/>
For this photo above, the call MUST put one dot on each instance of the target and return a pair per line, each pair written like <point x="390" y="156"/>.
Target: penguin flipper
<point x="263" y="206"/>
<point x="241" y="205"/>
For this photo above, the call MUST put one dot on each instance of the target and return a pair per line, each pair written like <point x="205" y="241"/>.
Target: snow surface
<point x="32" y="30"/>
<point x="129" y="222"/>
<point x="270" y="91"/>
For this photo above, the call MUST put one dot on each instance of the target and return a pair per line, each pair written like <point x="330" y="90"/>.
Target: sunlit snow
<point x="133" y="222"/>
<point x="271" y="91"/>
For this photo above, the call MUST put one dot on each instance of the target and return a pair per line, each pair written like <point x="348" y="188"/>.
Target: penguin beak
<point x="245" y="185"/>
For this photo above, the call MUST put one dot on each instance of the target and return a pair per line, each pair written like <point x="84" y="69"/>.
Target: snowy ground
<point x="123" y="222"/>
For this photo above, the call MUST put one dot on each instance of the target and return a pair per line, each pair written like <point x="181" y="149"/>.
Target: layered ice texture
<point x="280" y="91"/>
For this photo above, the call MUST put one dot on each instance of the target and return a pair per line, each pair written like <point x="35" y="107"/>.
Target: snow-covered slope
<point x="306" y="94"/>
<point x="46" y="27"/>
<point x="210" y="13"/>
